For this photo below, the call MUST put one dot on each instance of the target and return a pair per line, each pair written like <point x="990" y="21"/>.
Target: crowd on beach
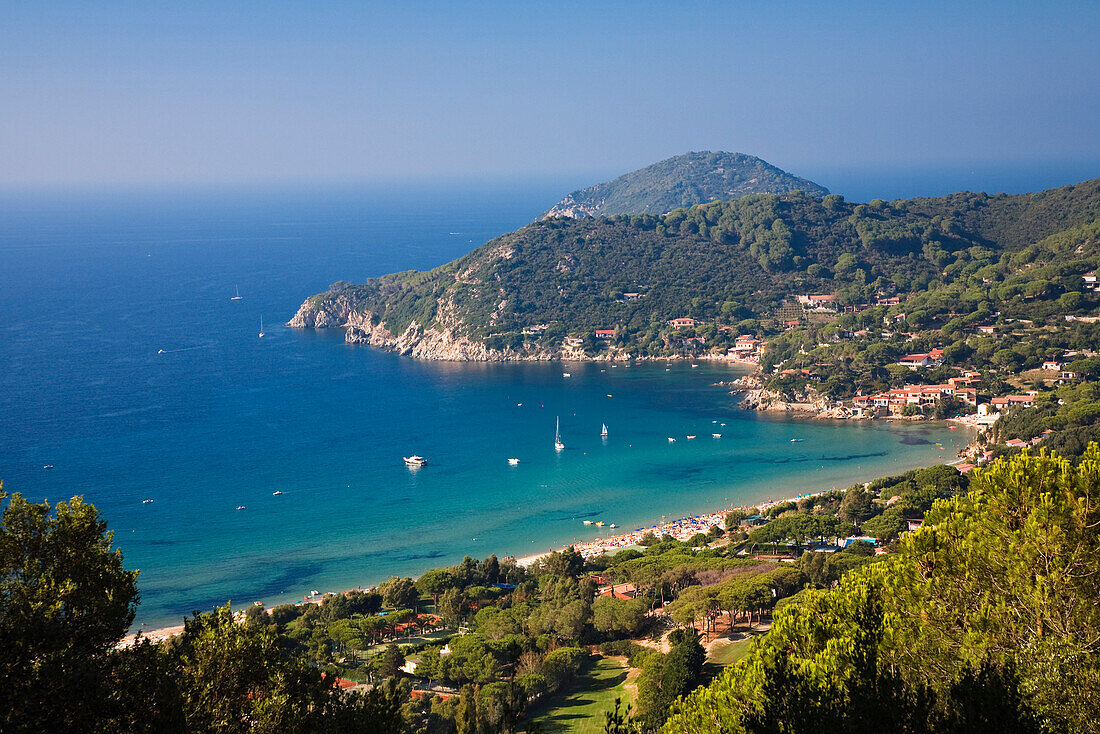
<point x="681" y="529"/>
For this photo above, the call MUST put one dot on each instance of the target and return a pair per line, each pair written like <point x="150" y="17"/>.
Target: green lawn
<point x="727" y="653"/>
<point x="581" y="709"/>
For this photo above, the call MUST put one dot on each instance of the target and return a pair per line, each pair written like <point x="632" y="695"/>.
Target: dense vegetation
<point x="952" y="260"/>
<point x="682" y="181"/>
<point x="984" y="619"/>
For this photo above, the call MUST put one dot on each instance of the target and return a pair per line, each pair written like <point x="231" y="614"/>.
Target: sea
<point x="234" y="467"/>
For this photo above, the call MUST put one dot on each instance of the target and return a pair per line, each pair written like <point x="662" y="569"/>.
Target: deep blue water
<point x="94" y="286"/>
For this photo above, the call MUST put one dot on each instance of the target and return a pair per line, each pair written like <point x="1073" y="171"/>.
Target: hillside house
<point x="819" y="302"/>
<point x="914" y="362"/>
<point x="683" y="323"/>
<point x="987" y="329"/>
<point x="1052" y="366"/>
<point x="629" y="297"/>
<point x="619" y="591"/>
<point x="747" y="346"/>
<point x="1009" y="401"/>
<point x="605" y="333"/>
<point x="894" y="401"/>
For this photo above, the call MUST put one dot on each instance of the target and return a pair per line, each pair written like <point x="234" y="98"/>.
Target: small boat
<point x="690" y="437"/>
<point x="613" y="525"/>
<point x="238" y="296"/>
<point x="47" y="466"/>
<point x="513" y="462"/>
<point x="587" y="522"/>
<point x="566" y="374"/>
<point x="694" y="366"/>
<point x="603" y="431"/>
<point x="671" y="439"/>
<point x="277" y="492"/>
<point x="146" y="502"/>
<point x="599" y="524"/>
<point x="794" y="440"/>
<point x="415" y="460"/>
<point x="716" y="435"/>
<point x="160" y="351"/>
<point x="558" y="445"/>
<point x="258" y="603"/>
<point x="261" y="327"/>
<point x="240" y="507"/>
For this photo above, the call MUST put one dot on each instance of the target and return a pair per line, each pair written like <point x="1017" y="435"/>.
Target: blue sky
<point x="224" y="92"/>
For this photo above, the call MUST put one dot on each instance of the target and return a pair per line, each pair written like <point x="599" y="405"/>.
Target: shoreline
<point x="682" y="528"/>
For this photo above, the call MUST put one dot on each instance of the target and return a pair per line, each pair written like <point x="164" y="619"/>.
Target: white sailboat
<point x="558" y="445"/>
<point x="603" y="431"/>
<point x="238" y="296"/>
<point x="261" y="327"/>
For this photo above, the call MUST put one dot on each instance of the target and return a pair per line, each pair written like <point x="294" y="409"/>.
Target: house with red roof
<point x="934" y="358"/>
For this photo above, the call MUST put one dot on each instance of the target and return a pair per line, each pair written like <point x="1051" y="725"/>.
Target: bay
<point x="125" y="365"/>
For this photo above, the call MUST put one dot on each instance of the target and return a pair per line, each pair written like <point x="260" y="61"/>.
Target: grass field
<point x="581" y="709"/>
<point x="727" y="653"/>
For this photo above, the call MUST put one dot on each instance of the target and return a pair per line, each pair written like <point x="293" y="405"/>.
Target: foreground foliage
<point x="985" y="620"/>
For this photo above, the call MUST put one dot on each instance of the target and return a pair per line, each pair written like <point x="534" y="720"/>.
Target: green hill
<point x="738" y="263"/>
<point x="685" y="180"/>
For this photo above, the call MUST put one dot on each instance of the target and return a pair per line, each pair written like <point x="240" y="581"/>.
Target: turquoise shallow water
<point x="222" y="419"/>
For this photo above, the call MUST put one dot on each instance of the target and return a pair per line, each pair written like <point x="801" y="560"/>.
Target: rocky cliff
<point x="440" y="342"/>
<point x="809" y="403"/>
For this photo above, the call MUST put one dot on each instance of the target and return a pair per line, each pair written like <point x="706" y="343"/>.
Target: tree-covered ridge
<point x="683" y="181"/>
<point x="732" y="262"/>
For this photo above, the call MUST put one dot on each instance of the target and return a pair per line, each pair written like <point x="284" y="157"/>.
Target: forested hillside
<point x="736" y="263"/>
<point x="681" y="181"/>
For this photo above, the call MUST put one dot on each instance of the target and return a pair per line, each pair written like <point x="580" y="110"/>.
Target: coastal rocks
<point x="442" y="341"/>
<point x="810" y="403"/>
<point x="323" y="313"/>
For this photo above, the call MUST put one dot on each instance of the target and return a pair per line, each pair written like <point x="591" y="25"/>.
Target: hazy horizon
<point x="119" y="94"/>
